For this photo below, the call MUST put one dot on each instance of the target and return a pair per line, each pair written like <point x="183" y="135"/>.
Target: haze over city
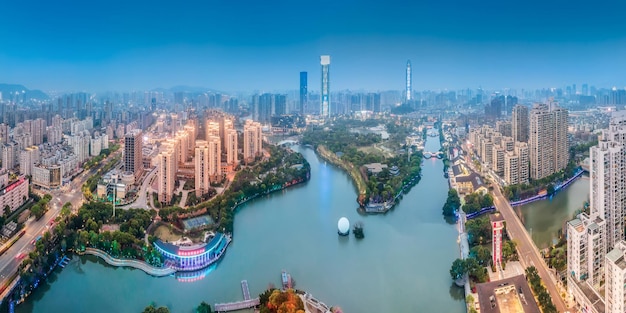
<point x="228" y="46"/>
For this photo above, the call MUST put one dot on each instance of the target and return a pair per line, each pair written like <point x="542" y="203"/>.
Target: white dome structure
<point x="343" y="226"/>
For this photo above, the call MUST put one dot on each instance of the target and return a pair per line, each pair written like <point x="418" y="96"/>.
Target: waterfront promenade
<point x="149" y="269"/>
<point x="528" y="252"/>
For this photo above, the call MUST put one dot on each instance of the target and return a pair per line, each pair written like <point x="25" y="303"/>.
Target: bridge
<point x="287" y="142"/>
<point x="428" y="154"/>
<point x="239" y="305"/>
<point x="235" y="306"/>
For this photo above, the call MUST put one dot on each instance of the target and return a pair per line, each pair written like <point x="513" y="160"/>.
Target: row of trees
<point x="540" y="291"/>
<point x="202" y="308"/>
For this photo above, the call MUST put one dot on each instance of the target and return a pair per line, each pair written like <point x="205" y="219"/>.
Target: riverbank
<point x="354" y="173"/>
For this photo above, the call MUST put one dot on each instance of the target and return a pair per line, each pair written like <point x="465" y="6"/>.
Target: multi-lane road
<point x="528" y="252"/>
<point x="10" y="260"/>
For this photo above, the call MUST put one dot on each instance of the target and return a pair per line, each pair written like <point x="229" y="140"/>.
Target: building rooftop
<point x="375" y="168"/>
<point x="473" y="178"/>
<point x="195" y="249"/>
<point x="577" y="224"/>
<point x="511" y="295"/>
<point x="496" y="217"/>
<point x="617" y="257"/>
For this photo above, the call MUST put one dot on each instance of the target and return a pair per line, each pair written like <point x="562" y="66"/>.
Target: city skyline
<point x="141" y="46"/>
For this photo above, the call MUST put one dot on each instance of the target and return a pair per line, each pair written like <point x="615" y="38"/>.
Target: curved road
<point x="528" y="252"/>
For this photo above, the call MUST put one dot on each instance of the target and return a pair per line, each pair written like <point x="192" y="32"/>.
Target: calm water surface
<point x="544" y="219"/>
<point x="402" y="264"/>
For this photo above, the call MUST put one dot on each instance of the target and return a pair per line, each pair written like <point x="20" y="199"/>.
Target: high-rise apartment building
<point x="202" y="167"/>
<point x="231" y="147"/>
<point x="215" y="158"/>
<point x="615" y="288"/>
<point x="182" y="138"/>
<point x="28" y="158"/>
<point x="10" y="151"/>
<point x="133" y="155"/>
<point x="4" y="133"/>
<point x="38" y="129"/>
<point x="547" y="140"/>
<point x="516" y="164"/>
<point x="325" y="91"/>
<point x="520" y="123"/>
<point x="304" y="93"/>
<point x="409" y="81"/>
<point x="167" y="166"/>
<point x="212" y="129"/>
<point x="252" y="140"/>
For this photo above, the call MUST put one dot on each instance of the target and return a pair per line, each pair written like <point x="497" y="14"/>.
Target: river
<point x="402" y="265"/>
<point x="543" y="219"/>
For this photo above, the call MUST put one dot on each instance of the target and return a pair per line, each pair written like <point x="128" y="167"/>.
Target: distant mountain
<point x="8" y="89"/>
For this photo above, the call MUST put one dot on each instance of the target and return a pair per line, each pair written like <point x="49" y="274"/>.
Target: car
<point x="20" y="256"/>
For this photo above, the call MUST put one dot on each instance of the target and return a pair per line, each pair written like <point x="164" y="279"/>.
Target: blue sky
<point x="262" y="45"/>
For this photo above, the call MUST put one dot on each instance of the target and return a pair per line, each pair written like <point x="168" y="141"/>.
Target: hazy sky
<point x="263" y="45"/>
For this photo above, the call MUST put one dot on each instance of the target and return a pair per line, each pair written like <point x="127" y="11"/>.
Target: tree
<point x="482" y="255"/>
<point x="508" y="250"/>
<point x="453" y="202"/>
<point x="37" y="211"/>
<point x="476" y="271"/>
<point x="203" y="308"/>
<point x="152" y="309"/>
<point x="7" y="210"/>
<point x="458" y="269"/>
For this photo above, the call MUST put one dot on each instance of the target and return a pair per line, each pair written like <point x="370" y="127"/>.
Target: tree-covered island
<point x="374" y="153"/>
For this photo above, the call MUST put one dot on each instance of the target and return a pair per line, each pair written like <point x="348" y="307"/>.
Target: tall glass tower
<point x="303" y="92"/>
<point x="409" y="80"/>
<point x="325" y="94"/>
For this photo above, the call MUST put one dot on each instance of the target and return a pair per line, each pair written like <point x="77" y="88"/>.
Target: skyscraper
<point x="303" y="92"/>
<point x="520" y="123"/>
<point x="325" y="94"/>
<point x="409" y="80"/>
<point x="231" y="147"/>
<point x="133" y="155"/>
<point x="547" y="140"/>
<point x="252" y="140"/>
<point x="215" y="158"/>
<point x="202" y="167"/>
<point x="167" y="174"/>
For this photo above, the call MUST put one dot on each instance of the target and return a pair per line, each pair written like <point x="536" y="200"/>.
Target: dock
<point x="246" y="303"/>
<point x="245" y="290"/>
<point x="64" y="261"/>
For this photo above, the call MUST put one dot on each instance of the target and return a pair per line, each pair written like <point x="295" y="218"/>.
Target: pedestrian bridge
<point x="428" y="154"/>
<point x="236" y="306"/>
<point x="288" y="142"/>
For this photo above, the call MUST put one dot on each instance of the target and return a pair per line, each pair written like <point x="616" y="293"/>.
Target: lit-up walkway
<point x="154" y="271"/>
